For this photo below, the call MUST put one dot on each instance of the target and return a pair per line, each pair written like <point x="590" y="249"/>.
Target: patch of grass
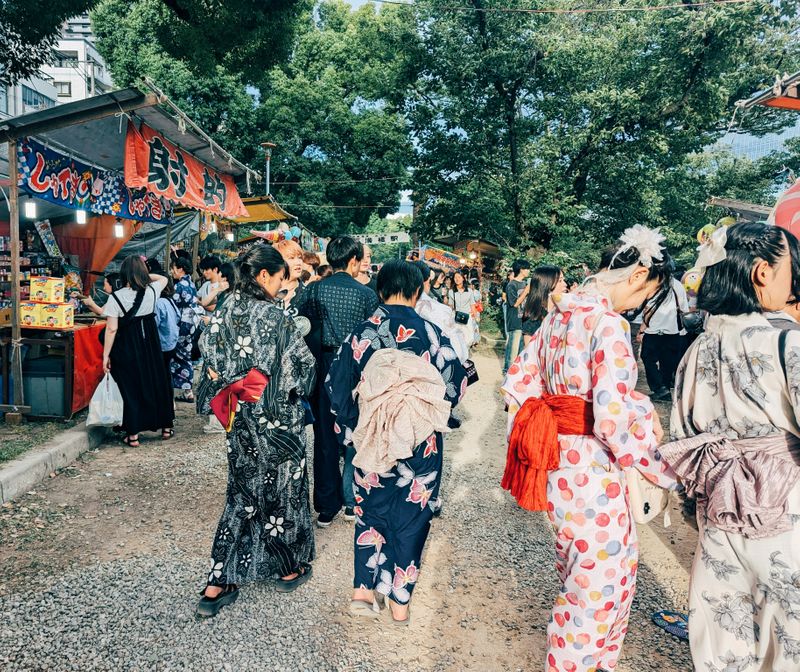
<point x="16" y="440"/>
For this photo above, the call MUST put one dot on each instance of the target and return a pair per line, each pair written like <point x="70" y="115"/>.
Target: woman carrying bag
<point x="132" y="353"/>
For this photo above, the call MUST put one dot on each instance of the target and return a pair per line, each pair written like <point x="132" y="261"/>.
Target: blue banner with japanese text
<point x="55" y="177"/>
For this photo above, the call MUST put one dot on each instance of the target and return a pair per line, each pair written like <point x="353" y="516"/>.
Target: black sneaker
<point x="210" y="606"/>
<point x="453" y="422"/>
<point x="662" y="395"/>
<point x="325" y="519"/>
<point x="349" y="514"/>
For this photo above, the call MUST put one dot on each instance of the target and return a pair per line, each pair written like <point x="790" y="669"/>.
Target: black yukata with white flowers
<point x="265" y="530"/>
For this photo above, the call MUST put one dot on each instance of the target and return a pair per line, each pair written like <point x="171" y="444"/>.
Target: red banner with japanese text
<point x="154" y="162"/>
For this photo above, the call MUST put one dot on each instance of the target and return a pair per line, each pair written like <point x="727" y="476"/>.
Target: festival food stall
<point x="89" y="176"/>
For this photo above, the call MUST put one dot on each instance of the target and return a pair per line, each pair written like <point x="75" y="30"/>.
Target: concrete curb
<point x="20" y="475"/>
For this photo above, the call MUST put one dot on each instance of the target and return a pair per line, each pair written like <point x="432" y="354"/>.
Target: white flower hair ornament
<point x="648" y="242"/>
<point x="713" y="250"/>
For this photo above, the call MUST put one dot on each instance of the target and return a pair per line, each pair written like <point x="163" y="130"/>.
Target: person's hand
<point x="639" y="337"/>
<point x="223" y="286"/>
<point x="212" y="374"/>
<point x="106" y="363"/>
<point x="88" y="301"/>
<point x="658" y="430"/>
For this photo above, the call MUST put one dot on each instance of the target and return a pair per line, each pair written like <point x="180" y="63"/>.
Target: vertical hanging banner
<point x="154" y="162"/>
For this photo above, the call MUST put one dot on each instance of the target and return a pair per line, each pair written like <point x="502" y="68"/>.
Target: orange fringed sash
<point x="533" y="445"/>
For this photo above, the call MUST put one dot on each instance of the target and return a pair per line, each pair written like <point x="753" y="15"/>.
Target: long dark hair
<point x="727" y="286"/>
<point x="258" y="258"/>
<point x="543" y="281"/>
<point x="133" y="273"/>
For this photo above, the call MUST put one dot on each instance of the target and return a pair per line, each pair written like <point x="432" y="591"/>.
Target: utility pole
<point x="268" y="147"/>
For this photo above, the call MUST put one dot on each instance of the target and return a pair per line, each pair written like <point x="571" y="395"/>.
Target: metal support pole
<point x="268" y="146"/>
<point x="16" y="330"/>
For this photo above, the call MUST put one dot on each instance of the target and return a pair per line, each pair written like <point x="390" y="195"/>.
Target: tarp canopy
<point x="262" y="209"/>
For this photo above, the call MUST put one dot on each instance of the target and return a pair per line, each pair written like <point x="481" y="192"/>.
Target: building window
<point x="64" y="89"/>
<point x="33" y="100"/>
<point x="67" y="59"/>
<point x="3" y="100"/>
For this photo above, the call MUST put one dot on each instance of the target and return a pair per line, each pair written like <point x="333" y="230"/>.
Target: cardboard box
<point x="56" y="315"/>
<point x="29" y="314"/>
<point x="47" y="290"/>
<point x="5" y="316"/>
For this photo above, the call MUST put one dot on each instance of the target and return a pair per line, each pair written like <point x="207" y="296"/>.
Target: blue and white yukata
<point x="393" y="510"/>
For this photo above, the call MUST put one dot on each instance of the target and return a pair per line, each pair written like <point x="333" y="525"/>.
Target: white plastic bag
<point x="105" y="409"/>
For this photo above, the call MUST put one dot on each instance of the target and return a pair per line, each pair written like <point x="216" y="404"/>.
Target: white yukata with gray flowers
<point x="744" y="597"/>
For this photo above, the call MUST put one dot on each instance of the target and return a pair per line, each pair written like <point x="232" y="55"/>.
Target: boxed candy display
<point x="47" y="290"/>
<point x="56" y="315"/>
<point x="29" y="314"/>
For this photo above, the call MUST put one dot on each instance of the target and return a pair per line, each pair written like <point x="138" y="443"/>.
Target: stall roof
<point x="782" y="94"/>
<point x="263" y="209"/>
<point x="478" y="244"/>
<point x="750" y="212"/>
<point x="94" y="129"/>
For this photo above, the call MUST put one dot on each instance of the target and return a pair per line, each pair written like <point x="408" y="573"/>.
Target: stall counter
<point x="82" y="354"/>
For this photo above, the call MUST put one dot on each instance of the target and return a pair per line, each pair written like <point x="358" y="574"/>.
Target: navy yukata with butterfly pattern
<point x="393" y="510"/>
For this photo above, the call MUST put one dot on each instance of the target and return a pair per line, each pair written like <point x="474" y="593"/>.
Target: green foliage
<point x="330" y="110"/>
<point x="561" y="130"/>
<point x="29" y="30"/>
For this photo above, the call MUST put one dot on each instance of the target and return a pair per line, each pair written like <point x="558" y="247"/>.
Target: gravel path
<point x="102" y="566"/>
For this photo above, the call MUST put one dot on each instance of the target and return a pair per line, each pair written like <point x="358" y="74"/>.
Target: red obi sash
<point x="533" y="448"/>
<point x="250" y="388"/>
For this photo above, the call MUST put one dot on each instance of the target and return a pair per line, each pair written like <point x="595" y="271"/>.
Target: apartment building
<point x="78" y="71"/>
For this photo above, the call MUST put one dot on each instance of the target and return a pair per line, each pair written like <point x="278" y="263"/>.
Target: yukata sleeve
<point x="623" y="418"/>
<point x="524" y="378"/>
<point x="214" y="348"/>
<point x="453" y="373"/>
<point x="340" y="385"/>
<point x="297" y="362"/>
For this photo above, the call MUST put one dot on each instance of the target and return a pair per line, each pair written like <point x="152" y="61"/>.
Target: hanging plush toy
<point x="691" y="283"/>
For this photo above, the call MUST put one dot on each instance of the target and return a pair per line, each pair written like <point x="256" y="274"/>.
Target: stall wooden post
<point x="15" y="416"/>
<point x="167" y="245"/>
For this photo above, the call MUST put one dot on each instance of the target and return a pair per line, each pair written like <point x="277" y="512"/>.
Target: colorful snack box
<point x="56" y="315"/>
<point x="47" y="290"/>
<point x="29" y="314"/>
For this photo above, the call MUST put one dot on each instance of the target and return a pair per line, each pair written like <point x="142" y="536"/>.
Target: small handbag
<point x="462" y="317"/>
<point x="647" y="499"/>
<point x="471" y="371"/>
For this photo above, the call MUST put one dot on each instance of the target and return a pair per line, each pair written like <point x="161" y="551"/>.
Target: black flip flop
<point x="210" y="606"/>
<point x="304" y="573"/>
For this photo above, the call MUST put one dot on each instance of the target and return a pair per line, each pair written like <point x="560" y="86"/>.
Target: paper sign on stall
<point x="154" y="162"/>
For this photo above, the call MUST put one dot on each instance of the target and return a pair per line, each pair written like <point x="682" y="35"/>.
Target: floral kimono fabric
<point x="394" y="514"/>
<point x="744" y="593"/>
<point x="393" y="510"/>
<point x="185" y="298"/>
<point x="265" y="529"/>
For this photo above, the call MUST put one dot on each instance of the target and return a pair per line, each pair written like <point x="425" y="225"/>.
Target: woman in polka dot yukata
<point x="580" y="362"/>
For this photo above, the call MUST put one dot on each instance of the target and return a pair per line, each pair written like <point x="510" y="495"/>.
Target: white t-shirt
<point x="127" y="296"/>
<point x="665" y="319"/>
<point x="205" y="289"/>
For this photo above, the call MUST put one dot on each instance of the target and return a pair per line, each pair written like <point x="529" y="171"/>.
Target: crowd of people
<point x="376" y="362"/>
<point x="285" y="342"/>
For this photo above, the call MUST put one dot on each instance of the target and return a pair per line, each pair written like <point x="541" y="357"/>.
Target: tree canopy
<point x="29" y="30"/>
<point x="544" y="127"/>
